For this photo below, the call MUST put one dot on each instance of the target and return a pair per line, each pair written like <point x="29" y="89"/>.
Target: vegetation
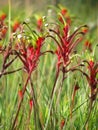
<point x="48" y="69"/>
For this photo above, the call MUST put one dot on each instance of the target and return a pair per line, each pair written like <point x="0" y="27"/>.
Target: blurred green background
<point x="87" y="10"/>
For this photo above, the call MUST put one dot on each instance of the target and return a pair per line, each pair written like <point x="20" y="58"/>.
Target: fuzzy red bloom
<point x="16" y="26"/>
<point x="85" y="30"/>
<point x="92" y="70"/>
<point x="91" y="62"/>
<point x="39" y="42"/>
<point x="3" y="16"/>
<point x="61" y="20"/>
<point x="40" y="24"/>
<point x="64" y="54"/>
<point x="88" y="46"/>
<point x="62" y="124"/>
<point x="65" y="15"/>
<point x="31" y="104"/>
<point x="30" y="55"/>
<point x="68" y="20"/>
<point x="20" y="94"/>
<point x="67" y="43"/>
<point x="92" y="78"/>
<point x="63" y="11"/>
<point x="3" y="27"/>
<point x="4" y="31"/>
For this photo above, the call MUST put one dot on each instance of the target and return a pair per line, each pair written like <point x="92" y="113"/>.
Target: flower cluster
<point x="40" y="24"/>
<point x="25" y="44"/>
<point x="67" y="43"/>
<point x="66" y="16"/>
<point x="16" y="26"/>
<point x="3" y="26"/>
<point x="29" y="55"/>
<point x="92" y="78"/>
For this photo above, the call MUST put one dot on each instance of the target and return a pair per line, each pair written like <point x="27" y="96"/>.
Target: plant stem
<point x="51" y="100"/>
<point x="53" y="89"/>
<point x="10" y="72"/>
<point x="20" y="102"/>
<point x="91" y="106"/>
<point x="33" y="95"/>
<point x="60" y="90"/>
<point x="36" y="111"/>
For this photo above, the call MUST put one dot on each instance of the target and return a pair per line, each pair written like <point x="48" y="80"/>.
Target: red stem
<point x="10" y="72"/>
<point x="8" y="64"/>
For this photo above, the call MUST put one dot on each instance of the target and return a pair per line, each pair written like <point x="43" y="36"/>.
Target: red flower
<point x="66" y="44"/>
<point x="4" y="31"/>
<point x="88" y="46"/>
<point x="91" y="63"/>
<point x="65" y="16"/>
<point x="62" y="124"/>
<point x="3" y="27"/>
<point x="93" y="69"/>
<point x="61" y="20"/>
<point x="31" y="104"/>
<point x="3" y="16"/>
<point x="20" y="94"/>
<point x="16" y="26"/>
<point x="39" y="42"/>
<point x="92" y="77"/>
<point x="63" y="11"/>
<point x="68" y="20"/>
<point x="40" y="24"/>
<point x="30" y="55"/>
<point x="85" y="30"/>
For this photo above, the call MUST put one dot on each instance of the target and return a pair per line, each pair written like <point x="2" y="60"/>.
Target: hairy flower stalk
<point x="29" y="56"/>
<point x="92" y="80"/>
<point x="36" y="109"/>
<point x="65" y="46"/>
